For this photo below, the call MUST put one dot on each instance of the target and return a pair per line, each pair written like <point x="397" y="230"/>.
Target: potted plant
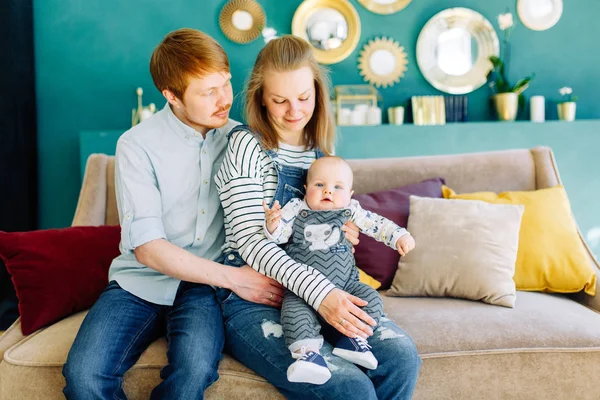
<point x="507" y="98"/>
<point x="567" y="106"/>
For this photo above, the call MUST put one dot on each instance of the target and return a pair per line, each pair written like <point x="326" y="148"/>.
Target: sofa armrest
<point x="592" y="302"/>
<point x="547" y="175"/>
<point x="12" y="336"/>
<point x="91" y="206"/>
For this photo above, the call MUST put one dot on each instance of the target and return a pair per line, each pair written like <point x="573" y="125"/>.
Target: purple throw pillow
<point x="373" y="257"/>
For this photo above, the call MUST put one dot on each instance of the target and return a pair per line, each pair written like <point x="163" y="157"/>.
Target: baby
<point x="312" y="230"/>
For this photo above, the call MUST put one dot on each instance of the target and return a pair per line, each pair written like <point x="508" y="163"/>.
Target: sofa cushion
<point x="464" y="249"/>
<point x="459" y="340"/>
<point x="551" y="256"/>
<point x="40" y="358"/>
<point x="57" y="272"/>
<point x="546" y="347"/>
<point x="373" y="257"/>
<point x="542" y="321"/>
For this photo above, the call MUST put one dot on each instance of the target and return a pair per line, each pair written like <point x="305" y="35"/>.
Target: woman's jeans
<point x="120" y="326"/>
<point x="254" y="336"/>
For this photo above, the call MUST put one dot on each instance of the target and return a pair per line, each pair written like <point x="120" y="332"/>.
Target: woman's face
<point x="289" y="98"/>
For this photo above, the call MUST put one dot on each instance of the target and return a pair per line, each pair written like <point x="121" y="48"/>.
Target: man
<point x="171" y="236"/>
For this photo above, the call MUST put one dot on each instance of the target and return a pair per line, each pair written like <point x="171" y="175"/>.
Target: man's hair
<point x="183" y="54"/>
<point x="284" y="54"/>
<point x="339" y="161"/>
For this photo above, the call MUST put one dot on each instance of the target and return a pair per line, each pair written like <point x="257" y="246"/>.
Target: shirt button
<point x="203" y="151"/>
<point x="187" y="137"/>
<point x="201" y="211"/>
<point x="198" y="238"/>
<point x="205" y="182"/>
<point x="231" y="257"/>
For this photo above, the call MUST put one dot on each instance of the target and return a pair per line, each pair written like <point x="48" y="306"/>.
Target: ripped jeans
<point x="254" y="336"/>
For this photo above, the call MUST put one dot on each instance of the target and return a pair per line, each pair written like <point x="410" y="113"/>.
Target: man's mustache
<point x="223" y="109"/>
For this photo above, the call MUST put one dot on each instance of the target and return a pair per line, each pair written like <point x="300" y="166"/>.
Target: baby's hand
<point x="405" y="244"/>
<point x="272" y="216"/>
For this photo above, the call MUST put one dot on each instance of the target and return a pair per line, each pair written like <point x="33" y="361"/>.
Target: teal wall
<point x="91" y="55"/>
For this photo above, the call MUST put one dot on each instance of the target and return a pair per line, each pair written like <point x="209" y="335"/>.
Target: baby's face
<point x="329" y="187"/>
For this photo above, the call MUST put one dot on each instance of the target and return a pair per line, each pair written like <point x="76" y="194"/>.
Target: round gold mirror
<point x="242" y="21"/>
<point x="332" y="27"/>
<point x="384" y="6"/>
<point x="382" y="62"/>
<point x="454" y="49"/>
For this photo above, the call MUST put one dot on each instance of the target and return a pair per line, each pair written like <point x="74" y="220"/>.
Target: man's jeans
<point x="120" y="326"/>
<point x="255" y="337"/>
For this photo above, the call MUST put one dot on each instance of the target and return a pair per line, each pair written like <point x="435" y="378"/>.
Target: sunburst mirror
<point x="242" y="21"/>
<point x="382" y="62"/>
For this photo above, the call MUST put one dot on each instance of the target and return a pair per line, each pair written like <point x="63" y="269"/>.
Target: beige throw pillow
<point x="464" y="248"/>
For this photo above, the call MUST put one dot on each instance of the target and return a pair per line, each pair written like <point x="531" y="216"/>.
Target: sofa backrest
<point x="498" y="171"/>
<point x="491" y="171"/>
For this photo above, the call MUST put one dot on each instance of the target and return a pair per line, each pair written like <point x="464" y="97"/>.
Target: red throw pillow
<point x="373" y="257"/>
<point x="58" y="272"/>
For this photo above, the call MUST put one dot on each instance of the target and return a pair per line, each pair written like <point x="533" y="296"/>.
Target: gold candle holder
<point x="141" y="113"/>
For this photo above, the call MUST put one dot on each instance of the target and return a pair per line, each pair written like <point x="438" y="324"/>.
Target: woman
<point x="287" y="108"/>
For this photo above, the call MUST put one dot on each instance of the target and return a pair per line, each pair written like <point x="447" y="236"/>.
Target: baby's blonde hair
<point x="321" y="162"/>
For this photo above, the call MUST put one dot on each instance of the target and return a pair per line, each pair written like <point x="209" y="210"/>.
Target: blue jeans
<point x="120" y="326"/>
<point x="253" y="334"/>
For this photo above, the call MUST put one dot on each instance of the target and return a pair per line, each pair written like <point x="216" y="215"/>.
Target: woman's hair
<point x="289" y="53"/>
<point x="183" y="54"/>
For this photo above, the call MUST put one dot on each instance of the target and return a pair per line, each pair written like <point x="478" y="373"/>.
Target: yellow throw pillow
<point x="368" y="279"/>
<point x="551" y="256"/>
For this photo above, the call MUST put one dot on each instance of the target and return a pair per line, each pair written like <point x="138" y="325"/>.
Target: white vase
<point x="566" y="111"/>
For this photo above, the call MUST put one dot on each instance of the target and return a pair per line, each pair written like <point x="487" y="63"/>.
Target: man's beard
<point x="209" y="124"/>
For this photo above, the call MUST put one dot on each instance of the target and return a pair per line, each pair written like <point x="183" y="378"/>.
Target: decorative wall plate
<point x="332" y="27"/>
<point x="382" y="62"/>
<point x="242" y="21"/>
<point x="384" y="6"/>
<point x="539" y="15"/>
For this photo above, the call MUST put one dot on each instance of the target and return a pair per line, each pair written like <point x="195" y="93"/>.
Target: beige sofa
<point x="548" y="346"/>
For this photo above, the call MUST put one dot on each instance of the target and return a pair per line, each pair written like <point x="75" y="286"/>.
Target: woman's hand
<point x="351" y="232"/>
<point x="253" y="286"/>
<point x="341" y="310"/>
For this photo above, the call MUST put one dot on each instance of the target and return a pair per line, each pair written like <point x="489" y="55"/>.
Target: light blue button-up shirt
<point x="165" y="189"/>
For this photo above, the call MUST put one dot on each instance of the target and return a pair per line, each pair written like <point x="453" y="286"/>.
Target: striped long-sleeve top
<point x="246" y="178"/>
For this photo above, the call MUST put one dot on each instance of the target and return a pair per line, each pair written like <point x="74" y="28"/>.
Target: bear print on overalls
<point x="318" y="240"/>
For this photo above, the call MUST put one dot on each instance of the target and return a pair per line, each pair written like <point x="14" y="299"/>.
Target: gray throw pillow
<point x="464" y="248"/>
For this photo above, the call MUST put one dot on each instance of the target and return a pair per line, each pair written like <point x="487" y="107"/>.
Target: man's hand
<point x="272" y="215"/>
<point x="341" y="310"/>
<point x="253" y="286"/>
<point x="351" y="232"/>
<point x="405" y="244"/>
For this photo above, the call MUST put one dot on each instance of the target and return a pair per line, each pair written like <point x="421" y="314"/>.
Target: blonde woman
<point x="287" y="109"/>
